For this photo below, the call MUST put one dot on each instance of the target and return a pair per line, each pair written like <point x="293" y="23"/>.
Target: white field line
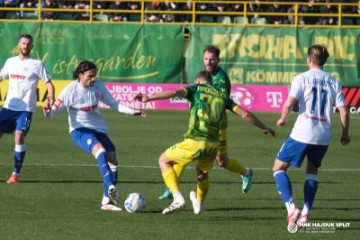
<point x="156" y="167"/>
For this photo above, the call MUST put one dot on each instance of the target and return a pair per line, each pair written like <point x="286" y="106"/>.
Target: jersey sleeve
<point x="296" y="87"/>
<point x="42" y="73"/>
<point x="63" y="101"/>
<point x="339" y="99"/>
<point x="4" y="72"/>
<point x="231" y="105"/>
<point x="111" y="102"/>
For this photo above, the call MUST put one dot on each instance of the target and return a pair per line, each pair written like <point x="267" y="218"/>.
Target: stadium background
<point x="140" y="51"/>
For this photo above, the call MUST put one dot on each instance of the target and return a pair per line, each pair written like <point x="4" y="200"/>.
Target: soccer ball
<point x="135" y="202"/>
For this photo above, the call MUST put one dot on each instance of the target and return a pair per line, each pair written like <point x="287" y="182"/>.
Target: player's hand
<point x="271" y="131"/>
<point x="47" y="107"/>
<point x="345" y="140"/>
<point x="139" y="113"/>
<point x="141" y="98"/>
<point x="281" y="122"/>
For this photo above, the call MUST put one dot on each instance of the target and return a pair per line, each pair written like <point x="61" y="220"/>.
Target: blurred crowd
<point x="264" y="10"/>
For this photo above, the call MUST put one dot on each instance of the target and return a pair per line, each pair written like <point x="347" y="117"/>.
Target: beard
<point x="25" y="52"/>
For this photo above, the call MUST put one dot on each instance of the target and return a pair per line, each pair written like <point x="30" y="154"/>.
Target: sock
<point x="171" y="180"/>
<point x="114" y="173"/>
<point x="310" y="189"/>
<point x="19" y="154"/>
<point x="236" y="167"/>
<point x="104" y="167"/>
<point x="284" y="188"/>
<point x="179" y="169"/>
<point x="202" y="190"/>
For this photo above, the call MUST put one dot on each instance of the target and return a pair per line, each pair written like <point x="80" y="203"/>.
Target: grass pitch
<point x="61" y="188"/>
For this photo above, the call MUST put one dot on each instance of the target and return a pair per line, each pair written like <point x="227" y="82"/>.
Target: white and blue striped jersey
<point x="317" y="93"/>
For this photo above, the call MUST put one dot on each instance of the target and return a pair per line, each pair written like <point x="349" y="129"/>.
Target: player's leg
<point x="315" y="155"/>
<point x="233" y="165"/>
<point x="23" y="123"/>
<point x="291" y="153"/>
<point x="179" y="169"/>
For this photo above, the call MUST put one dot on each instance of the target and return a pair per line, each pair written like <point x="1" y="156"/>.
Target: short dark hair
<point x="28" y="36"/>
<point x="83" y="67"/>
<point x="212" y="49"/>
<point x="318" y="54"/>
<point x="204" y="75"/>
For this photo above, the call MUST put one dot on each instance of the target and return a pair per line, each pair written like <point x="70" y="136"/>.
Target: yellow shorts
<point x="189" y="150"/>
<point x="223" y="149"/>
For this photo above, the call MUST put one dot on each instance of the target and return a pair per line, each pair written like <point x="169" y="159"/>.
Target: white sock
<point x="290" y="206"/>
<point x="178" y="197"/>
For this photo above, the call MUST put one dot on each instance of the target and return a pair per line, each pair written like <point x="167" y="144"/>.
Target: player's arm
<point x="180" y="92"/>
<point x="251" y="118"/>
<point x="110" y="101"/>
<point x="345" y="124"/>
<point x="287" y="108"/>
<point x="51" y="92"/>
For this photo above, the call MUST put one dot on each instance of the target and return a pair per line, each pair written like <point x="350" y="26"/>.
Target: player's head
<point x="203" y="77"/>
<point x="85" y="73"/>
<point x="318" y="55"/>
<point x="211" y="58"/>
<point x="25" y="44"/>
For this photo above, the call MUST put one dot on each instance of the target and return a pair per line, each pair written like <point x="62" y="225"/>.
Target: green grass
<point x="60" y="191"/>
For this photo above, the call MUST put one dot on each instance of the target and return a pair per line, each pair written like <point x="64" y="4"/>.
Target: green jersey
<point x="207" y="105"/>
<point x="221" y="81"/>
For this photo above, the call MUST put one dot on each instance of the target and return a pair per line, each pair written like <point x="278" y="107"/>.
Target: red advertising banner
<point x="258" y="98"/>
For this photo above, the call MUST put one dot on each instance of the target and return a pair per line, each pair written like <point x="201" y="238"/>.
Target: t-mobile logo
<point x="274" y="98"/>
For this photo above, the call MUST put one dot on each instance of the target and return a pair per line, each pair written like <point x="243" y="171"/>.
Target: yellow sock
<point x="236" y="167"/>
<point x="171" y="180"/>
<point x="202" y="189"/>
<point x="179" y="169"/>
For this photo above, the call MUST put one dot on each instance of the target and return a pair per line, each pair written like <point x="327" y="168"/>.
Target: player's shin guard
<point x="283" y="185"/>
<point x="114" y="173"/>
<point x="171" y="180"/>
<point x="19" y="154"/>
<point x="104" y="167"/>
<point x="236" y="167"/>
<point x="202" y="189"/>
<point x="310" y="189"/>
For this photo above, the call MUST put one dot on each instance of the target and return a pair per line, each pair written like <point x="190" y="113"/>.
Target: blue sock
<point x="283" y="185"/>
<point x="310" y="189"/>
<point x="104" y="168"/>
<point x="114" y="173"/>
<point x="19" y="154"/>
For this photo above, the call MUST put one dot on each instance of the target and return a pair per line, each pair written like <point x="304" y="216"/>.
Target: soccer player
<point x="201" y="144"/>
<point x="317" y="92"/>
<point x="87" y="126"/>
<point x="24" y="73"/>
<point x="221" y="81"/>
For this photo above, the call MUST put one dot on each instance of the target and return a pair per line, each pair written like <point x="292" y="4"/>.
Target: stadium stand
<point x="329" y="13"/>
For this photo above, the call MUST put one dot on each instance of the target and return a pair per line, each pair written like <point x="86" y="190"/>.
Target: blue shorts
<point x="11" y="120"/>
<point x="87" y="138"/>
<point x="294" y="152"/>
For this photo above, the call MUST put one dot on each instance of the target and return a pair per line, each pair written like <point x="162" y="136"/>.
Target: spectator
<point x="99" y="5"/>
<point x="155" y="5"/>
<point x="49" y="15"/>
<point x="276" y="8"/>
<point x="170" y="6"/>
<point x="10" y="4"/>
<point x="83" y="15"/>
<point x="205" y="7"/>
<point x="134" y="6"/>
<point x="118" y="16"/>
<point x="185" y="7"/>
<point x="66" y="4"/>
<point x="290" y="19"/>
<point x="310" y="8"/>
<point x="28" y="4"/>
<point x="328" y="9"/>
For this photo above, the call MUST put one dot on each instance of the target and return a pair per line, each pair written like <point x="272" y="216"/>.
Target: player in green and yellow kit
<point x="201" y="144"/>
<point x="221" y="82"/>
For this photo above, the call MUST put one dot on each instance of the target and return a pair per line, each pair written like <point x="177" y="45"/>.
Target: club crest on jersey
<point x="26" y="69"/>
